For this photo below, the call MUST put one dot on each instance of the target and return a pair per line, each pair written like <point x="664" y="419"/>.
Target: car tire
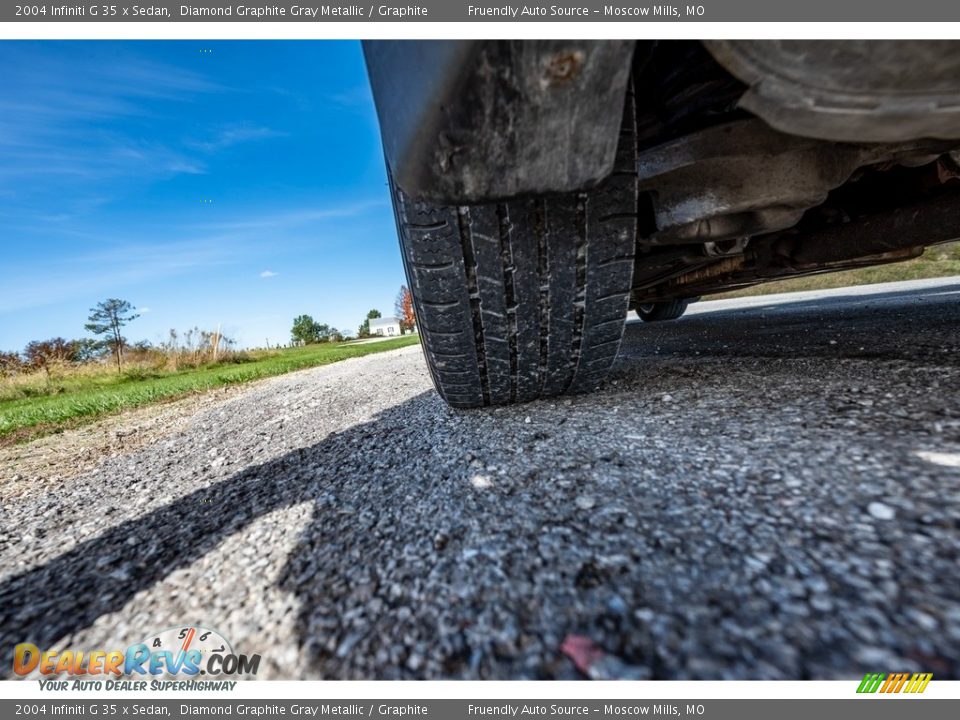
<point x="660" y="311"/>
<point x="525" y="298"/>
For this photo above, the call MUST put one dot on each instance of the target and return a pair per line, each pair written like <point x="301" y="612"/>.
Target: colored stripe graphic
<point x="894" y="682"/>
<point x="870" y="683"/>
<point x="918" y="683"/>
<point x="187" y="640"/>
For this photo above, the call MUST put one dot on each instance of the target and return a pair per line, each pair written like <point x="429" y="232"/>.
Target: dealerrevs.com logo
<point x="172" y="659"/>
<point x="894" y="683"/>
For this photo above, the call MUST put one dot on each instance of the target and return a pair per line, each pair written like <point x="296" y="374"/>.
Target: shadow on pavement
<point x="919" y="325"/>
<point x="470" y="544"/>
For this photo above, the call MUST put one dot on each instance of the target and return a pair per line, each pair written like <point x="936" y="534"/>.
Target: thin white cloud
<point x="50" y="97"/>
<point x="268" y="274"/>
<point x="357" y="96"/>
<point x="120" y="266"/>
<point x="143" y="310"/>
<point x="117" y="159"/>
<point x="234" y="135"/>
<point x="285" y="219"/>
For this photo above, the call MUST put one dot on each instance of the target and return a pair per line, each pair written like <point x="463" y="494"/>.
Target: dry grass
<point x="937" y="261"/>
<point x="67" y="394"/>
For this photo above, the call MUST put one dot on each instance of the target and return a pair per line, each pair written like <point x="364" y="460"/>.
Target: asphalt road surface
<point x="766" y="488"/>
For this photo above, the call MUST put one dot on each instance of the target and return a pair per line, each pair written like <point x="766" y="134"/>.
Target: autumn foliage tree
<point x="403" y="309"/>
<point x="43" y="354"/>
<point x="10" y="363"/>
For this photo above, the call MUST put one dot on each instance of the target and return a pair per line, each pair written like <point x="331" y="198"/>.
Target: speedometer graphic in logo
<point x="192" y="639"/>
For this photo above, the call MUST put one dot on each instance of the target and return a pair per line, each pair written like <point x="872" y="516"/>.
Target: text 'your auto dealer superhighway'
<point x="304" y="12"/>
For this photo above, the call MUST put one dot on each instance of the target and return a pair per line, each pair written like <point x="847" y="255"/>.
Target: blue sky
<point x="239" y="183"/>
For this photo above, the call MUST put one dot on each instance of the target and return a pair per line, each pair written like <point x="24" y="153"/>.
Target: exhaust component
<point x="935" y="221"/>
<point x="743" y="179"/>
<point x="892" y="236"/>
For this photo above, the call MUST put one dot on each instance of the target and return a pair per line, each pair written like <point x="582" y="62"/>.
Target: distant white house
<point x="385" y="326"/>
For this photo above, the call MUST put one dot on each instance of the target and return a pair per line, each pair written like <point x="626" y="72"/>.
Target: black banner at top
<point x="459" y="11"/>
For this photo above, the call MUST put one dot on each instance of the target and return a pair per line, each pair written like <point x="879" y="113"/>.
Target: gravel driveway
<point x="760" y="492"/>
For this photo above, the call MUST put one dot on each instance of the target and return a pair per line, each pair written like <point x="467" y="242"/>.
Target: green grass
<point x="86" y="396"/>
<point x="937" y="261"/>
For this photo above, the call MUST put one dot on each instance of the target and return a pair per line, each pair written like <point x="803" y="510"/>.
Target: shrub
<point x="10" y="364"/>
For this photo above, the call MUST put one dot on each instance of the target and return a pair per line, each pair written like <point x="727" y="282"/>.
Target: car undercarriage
<point x="545" y="188"/>
<point x="734" y="202"/>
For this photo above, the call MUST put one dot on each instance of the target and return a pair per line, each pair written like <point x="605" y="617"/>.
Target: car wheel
<point x="659" y="311"/>
<point x="524" y="298"/>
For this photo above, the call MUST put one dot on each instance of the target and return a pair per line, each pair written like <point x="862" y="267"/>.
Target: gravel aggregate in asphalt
<point x="762" y="490"/>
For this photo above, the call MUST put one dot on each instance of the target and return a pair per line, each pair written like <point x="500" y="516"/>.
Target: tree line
<point x="108" y="318"/>
<point x="106" y="321"/>
<point x="307" y="331"/>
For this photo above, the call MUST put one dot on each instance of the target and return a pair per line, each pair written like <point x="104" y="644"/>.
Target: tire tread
<point x="525" y="298"/>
